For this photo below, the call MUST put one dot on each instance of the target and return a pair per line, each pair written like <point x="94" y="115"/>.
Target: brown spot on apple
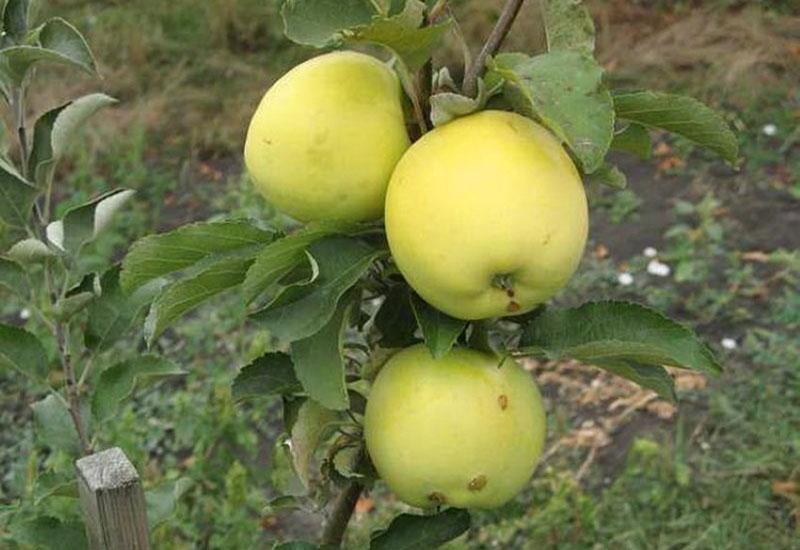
<point x="502" y="400"/>
<point x="477" y="483"/>
<point x="512" y="306"/>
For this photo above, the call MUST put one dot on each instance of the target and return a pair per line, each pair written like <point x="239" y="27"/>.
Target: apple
<point x="463" y="430"/>
<point x="326" y="137"/>
<point x="486" y="216"/>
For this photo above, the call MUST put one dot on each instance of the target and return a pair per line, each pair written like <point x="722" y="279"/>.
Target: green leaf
<point x="56" y="41"/>
<point x="161" y="501"/>
<point x="680" y="115"/>
<point x="15" y="19"/>
<point x="330" y="23"/>
<point x="309" y="427"/>
<point x="69" y="306"/>
<point x="565" y="91"/>
<point x="56" y="129"/>
<point x="439" y="330"/>
<point x="634" y="139"/>
<point x="158" y="255"/>
<point x="447" y="106"/>
<point x="16" y="197"/>
<point x="617" y="331"/>
<point x="117" y="383"/>
<point x="319" y="364"/>
<point x="22" y="351"/>
<point x="652" y="377"/>
<point x="113" y="313"/>
<point x="342" y="261"/>
<point x="280" y="257"/>
<point x="410" y="532"/>
<point x="186" y="294"/>
<point x="610" y="175"/>
<point x="49" y="533"/>
<point x="269" y="375"/>
<point x="402" y="34"/>
<point x="13" y="277"/>
<point x="396" y="320"/>
<point x="568" y="26"/>
<point x="81" y="224"/>
<point x="316" y="22"/>
<point x="54" y="426"/>
<point x="30" y="251"/>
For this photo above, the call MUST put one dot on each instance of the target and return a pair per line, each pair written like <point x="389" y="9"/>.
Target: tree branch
<point x="493" y="43"/>
<point x="343" y="508"/>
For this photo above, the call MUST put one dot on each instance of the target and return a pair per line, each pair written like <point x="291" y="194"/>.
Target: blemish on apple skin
<point x="502" y="400"/>
<point x="546" y="239"/>
<point x="437" y="498"/>
<point x="512" y="306"/>
<point x="477" y="483"/>
<point x="510" y="292"/>
<point x="267" y="141"/>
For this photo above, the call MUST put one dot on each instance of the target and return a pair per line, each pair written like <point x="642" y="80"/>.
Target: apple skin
<point x="326" y="137"/>
<point x="490" y="195"/>
<point x="461" y="430"/>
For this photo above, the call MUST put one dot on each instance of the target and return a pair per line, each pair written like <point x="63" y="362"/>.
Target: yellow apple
<point x="486" y="216"/>
<point x="462" y="430"/>
<point x="326" y="137"/>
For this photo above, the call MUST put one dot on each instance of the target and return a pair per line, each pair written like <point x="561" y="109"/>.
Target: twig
<point x="493" y="43"/>
<point x="437" y="10"/>
<point x="342" y="511"/>
<point x="72" y="386"/>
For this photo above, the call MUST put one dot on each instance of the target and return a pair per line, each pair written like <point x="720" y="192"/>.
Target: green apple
<point x="486" y="216"/>
<point x="326" y="137"/>
<point x="464" y="430"/>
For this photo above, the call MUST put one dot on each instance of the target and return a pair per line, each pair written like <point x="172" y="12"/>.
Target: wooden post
<point x="113" y="502"/>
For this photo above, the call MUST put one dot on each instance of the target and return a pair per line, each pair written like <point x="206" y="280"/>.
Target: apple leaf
<point x="270" y="374"/>
<point x="604" y="332"/>
<point x="186" y="294"/>
<point x="565" y="91"/>
<point x="308" y="424"/>
<point x="634" y="139"/>
<point x="652" y="377"/>
<point x="163" y="500"/>
<point x="112" y="314"/>
<point x="403" y="34"/>
<point x="331" y="23"/>
<point x="15" y="19"/>
<point x="16" y="197"/>
<point x="55" y="129"/>
<point x="56" y="41"/>
<point x="158" y="255"/>
<point x="317" y="22"/>
<point x="54" y="426"/>
<point x="280" y="257"/>
<point x="13" y="277"/>
<point x="568" y="26"/>
<point x="117" y="383"/>
<point x="48" y="533"/>
<point x="447" y="106"/>
<point x="439" y="330"/>
<point x="319" y="362"/>
<point x="30" y="251"/>
<point x="395" y="319"/>
<point x="409" y="531"/>
<point x="22" y="351"/>
<point x="680" y="115"/>
<point x="299" y="314"/>
<point x="610" y="175"/>
<point x="81" y="224"/>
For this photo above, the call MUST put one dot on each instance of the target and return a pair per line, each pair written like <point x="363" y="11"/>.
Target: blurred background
<point x="713" y="246"/>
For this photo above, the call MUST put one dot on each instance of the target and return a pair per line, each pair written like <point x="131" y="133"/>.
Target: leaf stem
<point x="492" y="45"/>
<point x="62" y="336"/>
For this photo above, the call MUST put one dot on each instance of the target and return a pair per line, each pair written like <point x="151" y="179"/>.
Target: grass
<point x="721" y="472"/>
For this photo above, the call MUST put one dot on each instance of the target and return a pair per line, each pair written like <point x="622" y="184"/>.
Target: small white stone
<point x="625" y="278"/>
<point x="769" y="129"/>
<point x="729" y="343"/>
<point x="658" y="269"/>
<point x="650" y="252"/>
<point x="25" y="314"/>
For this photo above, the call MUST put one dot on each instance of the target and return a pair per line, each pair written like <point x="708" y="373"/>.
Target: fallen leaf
<point x="601" y="252"/>
<point x="755" y="256"/>
<point x="364" y="505"/>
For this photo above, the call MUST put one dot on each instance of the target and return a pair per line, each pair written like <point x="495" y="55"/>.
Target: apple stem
<point x="493" y="43"/>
